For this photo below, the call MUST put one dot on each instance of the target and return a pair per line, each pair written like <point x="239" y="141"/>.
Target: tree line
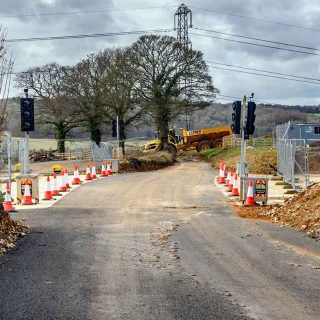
<point x="153" y="81"/>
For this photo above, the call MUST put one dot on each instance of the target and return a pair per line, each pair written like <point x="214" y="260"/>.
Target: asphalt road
<point x="158" y="245"/>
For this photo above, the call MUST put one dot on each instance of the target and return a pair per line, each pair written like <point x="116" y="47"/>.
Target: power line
<point x="81" y="12"/>
<point x="260" y="70"/>
<point x="256" y="44"/>
<point x="264" y="75"/>
<point x="81" y="36"/>
<point x="257" y="19"/>
<point x="258" y="39"/>
<point x="227" y="97"/>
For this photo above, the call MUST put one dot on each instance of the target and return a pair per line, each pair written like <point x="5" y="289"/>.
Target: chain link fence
<point x="298" y="159"/>
<point x="233" y="141"/>
<point x="45" y="150"/>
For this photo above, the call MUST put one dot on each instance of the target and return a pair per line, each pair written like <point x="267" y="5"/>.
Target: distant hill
<point x="267" y="117"/>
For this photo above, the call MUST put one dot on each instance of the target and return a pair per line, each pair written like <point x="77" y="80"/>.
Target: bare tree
<point x="6" y="64"/>
<point x="162" y="66"/>
<point x="121" y="76"/>
<point x="53" y="104"/>
<point x="85" y="84"/>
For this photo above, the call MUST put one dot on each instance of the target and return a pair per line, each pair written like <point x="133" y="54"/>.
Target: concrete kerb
<point x="42" y="204"/>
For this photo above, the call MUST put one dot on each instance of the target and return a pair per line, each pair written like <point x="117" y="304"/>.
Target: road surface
<point x="158" y="245"/>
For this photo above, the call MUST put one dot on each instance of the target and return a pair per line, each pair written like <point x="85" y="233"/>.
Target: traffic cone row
<point x="231" y="181"/>
<point x="52" y="190"/>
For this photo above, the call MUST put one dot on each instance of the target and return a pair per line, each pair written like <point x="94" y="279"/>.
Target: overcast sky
<point x="230" y="16"/>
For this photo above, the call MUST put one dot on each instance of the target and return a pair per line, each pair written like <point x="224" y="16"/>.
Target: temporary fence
<point x="233" y="141"/>
<point x="298" y="160"/>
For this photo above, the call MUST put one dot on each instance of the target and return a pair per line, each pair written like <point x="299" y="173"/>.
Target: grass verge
<point x="262" y="160"/>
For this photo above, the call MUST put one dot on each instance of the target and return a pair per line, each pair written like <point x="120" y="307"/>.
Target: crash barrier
<point x="249" y="190"/>
<point x="28" y="191"/>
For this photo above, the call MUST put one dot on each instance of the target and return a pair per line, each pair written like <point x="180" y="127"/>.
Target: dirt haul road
<point x="157" y="245"/>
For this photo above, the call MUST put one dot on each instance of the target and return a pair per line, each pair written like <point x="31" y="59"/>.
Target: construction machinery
<point x="200" y="139"/>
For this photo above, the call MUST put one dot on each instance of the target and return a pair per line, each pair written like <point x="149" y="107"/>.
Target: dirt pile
<point x="301" y="212"/>
<point x="10" y="232"/>
<point x="147" y="162"/>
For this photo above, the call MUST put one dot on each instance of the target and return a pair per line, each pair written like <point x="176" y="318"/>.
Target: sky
<point x="272" y="20"/>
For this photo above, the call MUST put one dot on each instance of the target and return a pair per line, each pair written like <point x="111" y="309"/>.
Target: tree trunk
<point x="95" y="132"/>
<point x="163" y="126"/>
<point x="61" y="136"/>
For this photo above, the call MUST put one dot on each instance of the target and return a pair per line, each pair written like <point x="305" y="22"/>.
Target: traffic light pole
<point x="243" y="140"/>
<point x="26" y="146"/>
<point x="118" y="137"/>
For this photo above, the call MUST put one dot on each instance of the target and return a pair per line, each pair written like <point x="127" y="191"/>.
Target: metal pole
<point x="26" y="152"/>
<point x="9" y="159"/>
<point x="118" y="137"/>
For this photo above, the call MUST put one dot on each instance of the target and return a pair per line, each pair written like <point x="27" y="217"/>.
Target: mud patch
<point x="165" y="253"/>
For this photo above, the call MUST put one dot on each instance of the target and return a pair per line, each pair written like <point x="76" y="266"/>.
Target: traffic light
<point x="114" y="128"/>
<point x="236" y="117"/>
<point x="27" y="114"/>
<point x="251" y="117"/>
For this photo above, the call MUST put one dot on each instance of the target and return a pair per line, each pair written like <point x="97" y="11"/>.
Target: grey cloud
<point x="69" y="52"/>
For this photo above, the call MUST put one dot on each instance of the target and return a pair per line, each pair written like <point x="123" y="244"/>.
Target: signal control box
<point x="260" y="189"/>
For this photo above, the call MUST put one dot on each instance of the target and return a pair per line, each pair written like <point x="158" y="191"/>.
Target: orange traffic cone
<point x="7" y="204"/>
<point x="63" y="187"/>
<point x="231" y="181"/>
<point x="103" y="170"/>
<point x="55" y="191"/>
<point x="250" y="199"/>
<point x="76" y="178"/>
<point x="235" y="190"/>
<point x="222" y="174"/>
<point x="93" y="171"/>
<point x="27" y="197"/>
<point x="109" y="170"/>
<point x="66" y="178"/>
<point x="228" y="178"/>
<point x="88" y="175"/>
<point x="48" y="193"/>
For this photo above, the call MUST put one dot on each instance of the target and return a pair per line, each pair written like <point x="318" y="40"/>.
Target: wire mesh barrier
<point x="298" y="160"/>
<point x="233" y="141"/>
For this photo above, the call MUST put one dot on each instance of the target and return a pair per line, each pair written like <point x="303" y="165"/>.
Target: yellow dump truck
<point x="200" y="139"/>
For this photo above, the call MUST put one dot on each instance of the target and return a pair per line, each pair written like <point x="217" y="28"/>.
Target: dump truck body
<point x="203" y="139"/>
<point x="200" y="139"/>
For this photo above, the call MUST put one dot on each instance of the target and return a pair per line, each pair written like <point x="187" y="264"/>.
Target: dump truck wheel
<point x="218" y="144"/>
<point x="204" y="145"/>
<point x="171" y="149"/>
